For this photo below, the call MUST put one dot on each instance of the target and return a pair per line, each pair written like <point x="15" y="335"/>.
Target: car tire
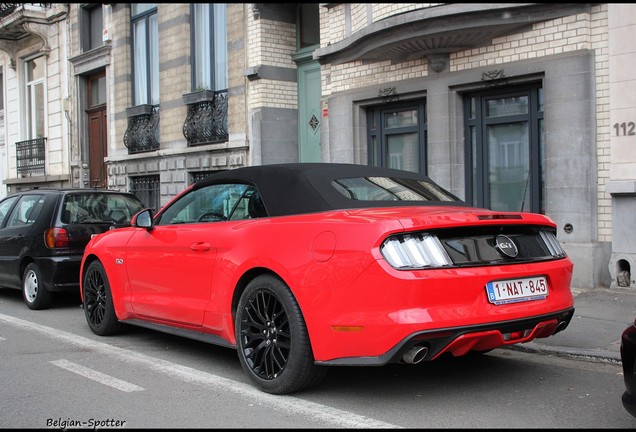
<point x="98" y="301"/>
<point x="272" y="339"/>
<point x="34" y="293"/>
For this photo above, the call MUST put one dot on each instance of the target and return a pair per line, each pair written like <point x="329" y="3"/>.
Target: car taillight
<point x="552" y="244"/>
<point x="415" y="251"/>
<point x="55" y="238"/>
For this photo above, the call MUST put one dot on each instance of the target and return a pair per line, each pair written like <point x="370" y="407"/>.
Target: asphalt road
<point x="56" y="374"/>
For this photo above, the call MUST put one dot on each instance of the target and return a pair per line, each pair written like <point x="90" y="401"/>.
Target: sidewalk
<point x="600" y="316"/>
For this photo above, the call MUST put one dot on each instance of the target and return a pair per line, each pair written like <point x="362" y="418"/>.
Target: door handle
<point x="200" y="247"/>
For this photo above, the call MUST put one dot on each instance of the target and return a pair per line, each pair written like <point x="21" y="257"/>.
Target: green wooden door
<point x="309" y="118"/>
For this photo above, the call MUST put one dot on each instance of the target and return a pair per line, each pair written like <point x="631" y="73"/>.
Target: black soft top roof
<point x="296" y="188"/>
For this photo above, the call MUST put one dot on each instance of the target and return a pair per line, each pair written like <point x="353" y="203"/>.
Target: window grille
<point x="146" y="188"/>
<point x="30" y="157"/>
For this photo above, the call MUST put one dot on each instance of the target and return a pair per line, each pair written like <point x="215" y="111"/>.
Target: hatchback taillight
<point x="55" y="238"/>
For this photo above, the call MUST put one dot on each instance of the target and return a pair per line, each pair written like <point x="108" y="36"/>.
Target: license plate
<point x="517" y="290"/>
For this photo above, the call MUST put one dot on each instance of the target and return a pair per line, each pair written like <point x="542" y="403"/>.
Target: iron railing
<point x="30" y="157"/>
<point x="206" y="121"/>
<point x="7" y="9"/>
<point x="146" y="188"/>
<point x="142" y="133"/>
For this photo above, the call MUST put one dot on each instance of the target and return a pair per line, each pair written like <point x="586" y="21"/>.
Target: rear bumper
<point x="459" y="341"/>
<point x="61" y="273"/>
<point x="382" y="314"/>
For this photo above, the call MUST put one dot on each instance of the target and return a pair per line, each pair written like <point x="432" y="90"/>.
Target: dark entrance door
<point x="97" y="130"/>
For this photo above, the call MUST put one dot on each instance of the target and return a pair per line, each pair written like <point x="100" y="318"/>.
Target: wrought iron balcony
<point x="206" y="121"/>
<point x="7" y="9"/>
<point x="19" y="20"/>
<point x="15" y="17"/>
<point x="30" y="157"/>
<point x="142" y="133"/>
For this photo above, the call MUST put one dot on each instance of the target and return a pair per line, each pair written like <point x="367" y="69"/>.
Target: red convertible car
<point x="303" y="266"/>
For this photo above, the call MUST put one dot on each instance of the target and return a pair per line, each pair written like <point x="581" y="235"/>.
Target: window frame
<point x="33" y="114"/>
<point x="477" y="183"/>
<point x="150" y="64"/>
<point x="307" y="25"/>
<point x="214" y="33"/>
<point x="377" y="138"/>
<point x="91" y="32"/>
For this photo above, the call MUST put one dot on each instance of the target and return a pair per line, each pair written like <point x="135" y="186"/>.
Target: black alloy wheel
<point x="272" y="340"/>
<point x="98" y="303"/>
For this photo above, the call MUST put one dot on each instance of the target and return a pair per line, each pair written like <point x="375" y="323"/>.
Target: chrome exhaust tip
<point x="561" y="326"/>
<point x="415" y="354"/>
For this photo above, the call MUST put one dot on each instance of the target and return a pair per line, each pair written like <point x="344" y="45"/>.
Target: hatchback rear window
<point x="84" y="208"/>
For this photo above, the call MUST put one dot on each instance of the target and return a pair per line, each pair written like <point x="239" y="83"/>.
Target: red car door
<point x="170" y="271"/>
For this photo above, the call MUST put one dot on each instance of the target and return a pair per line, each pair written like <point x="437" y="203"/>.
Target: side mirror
<point x="143" y="219"/>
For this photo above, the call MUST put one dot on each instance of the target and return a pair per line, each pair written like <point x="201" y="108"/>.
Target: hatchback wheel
<point x="272" y="340"/>
<point x="34" y="293"/>
<point x="98" y="301"/>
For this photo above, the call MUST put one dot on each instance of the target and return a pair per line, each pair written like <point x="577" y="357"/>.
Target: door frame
<point x="97" y="138"/>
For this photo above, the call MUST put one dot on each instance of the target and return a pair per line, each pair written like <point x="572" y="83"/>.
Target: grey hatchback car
<point x="43" y="233"/>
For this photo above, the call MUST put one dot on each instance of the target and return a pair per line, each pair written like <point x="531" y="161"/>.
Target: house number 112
<point x="624" y="129"/>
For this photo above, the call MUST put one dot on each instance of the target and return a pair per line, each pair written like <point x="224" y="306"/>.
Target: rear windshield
<point x="95" y="207"/>
<point x="390" y="189"/>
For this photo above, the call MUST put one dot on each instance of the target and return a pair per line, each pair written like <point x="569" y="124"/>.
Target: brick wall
<point x="271" y="43"/>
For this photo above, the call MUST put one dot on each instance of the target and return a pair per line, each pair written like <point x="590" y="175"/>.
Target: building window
<point x="92" y="25"/>
<point x="397" y="136"/>
<point x="206" y="120"/>
<point x="145" y="54"/>
<point x="209" y="46"/>
<point x="96" y="90"/>
<point x="146" y="188"/>
<point x="505" y="148"/>
<point x="308" y="25"/>
<point x="35" y="76"/>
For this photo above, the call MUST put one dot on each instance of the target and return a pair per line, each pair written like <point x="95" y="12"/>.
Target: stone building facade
<point x="509" y="106"/>
<point x="173" y="164"/>
<point x="35" y="141"/>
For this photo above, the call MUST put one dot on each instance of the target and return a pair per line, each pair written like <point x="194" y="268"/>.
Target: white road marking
<point x="97" y="376"/>
<point x="291" y="404"/>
